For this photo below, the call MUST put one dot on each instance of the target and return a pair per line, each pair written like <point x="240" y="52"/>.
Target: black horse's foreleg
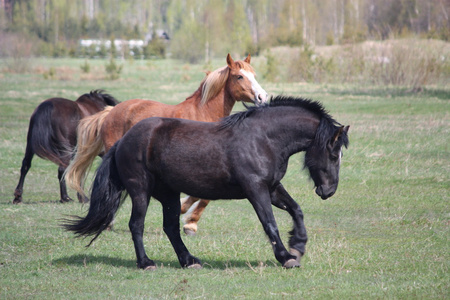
<point x="136" y="224"/>
<point x="62" y="185"/>
<point x="262" y="204"/>
<point x="171" y="223"/>
<point x="26" y="165"/>
<point x="299" y="237"/>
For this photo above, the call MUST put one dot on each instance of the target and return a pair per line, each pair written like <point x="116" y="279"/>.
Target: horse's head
<point x="323" y="163"/>
<point x="242" y="84"/>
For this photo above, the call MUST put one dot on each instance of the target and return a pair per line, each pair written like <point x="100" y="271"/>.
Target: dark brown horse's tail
<point x="42" y="137"/>
<point x="106" y="195"/>
<point x="89" y="145"/>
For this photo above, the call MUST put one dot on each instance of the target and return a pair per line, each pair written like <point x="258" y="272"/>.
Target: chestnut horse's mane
<point x="215" y="81"/>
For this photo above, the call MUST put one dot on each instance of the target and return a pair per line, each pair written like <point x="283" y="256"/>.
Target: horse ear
<point x="247" y="59"/>
<point x="337" y="134"/>
<point x="346" y="128"/>
<point x="230" y="61"/>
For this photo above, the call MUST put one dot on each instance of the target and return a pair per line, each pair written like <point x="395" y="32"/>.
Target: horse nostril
<point x="324" y="192"/>
<point x="319" y="191"/>
<point x="262" y="97"/>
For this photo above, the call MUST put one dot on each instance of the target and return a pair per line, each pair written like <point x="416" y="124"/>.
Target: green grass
<point x="385" y="234"/>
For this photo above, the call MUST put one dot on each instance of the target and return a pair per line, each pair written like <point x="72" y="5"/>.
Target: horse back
<point x="183" y="155"/>
<point x="126" y="114"/>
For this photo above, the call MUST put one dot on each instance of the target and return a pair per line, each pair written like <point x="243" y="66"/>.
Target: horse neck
<point x="213" y="110"/>
<point x="291" y="132"/>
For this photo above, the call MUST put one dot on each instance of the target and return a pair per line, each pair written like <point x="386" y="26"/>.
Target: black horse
<point x="52" y="133"/>
<point x="247" y="156"/>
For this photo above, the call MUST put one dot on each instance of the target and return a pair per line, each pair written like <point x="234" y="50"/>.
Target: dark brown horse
<point x="52" y="133"/>
<point x="213" y="100"/>
<point x="247" y="156"/>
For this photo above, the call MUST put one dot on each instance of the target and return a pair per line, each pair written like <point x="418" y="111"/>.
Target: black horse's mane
<point x="327" y="125"/>
<point x="308" y="104"/>
<point x="101" y="95"/>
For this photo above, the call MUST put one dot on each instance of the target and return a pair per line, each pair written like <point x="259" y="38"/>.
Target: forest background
<point x="381" y="42"/>
<point x="203" y="29"/>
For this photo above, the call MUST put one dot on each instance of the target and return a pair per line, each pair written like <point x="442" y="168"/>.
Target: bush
<point x="156" y="48"/>
<point x="50" y="74"/>
<point x="113" y="69"/>
<point x="310" y="67"/>
<point x="85" y="68"/>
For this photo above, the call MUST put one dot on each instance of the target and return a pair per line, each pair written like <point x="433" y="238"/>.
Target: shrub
<point x="50" y="74"/>
<point x="113" y="70"/>
<point x="85" y="68"/>
<point x="156" y="48"/>
<point x="309" y="66"/>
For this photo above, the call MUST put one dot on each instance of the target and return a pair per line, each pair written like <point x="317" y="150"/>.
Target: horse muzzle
<point x="261" y="98"/>
<point x="326" y="192"/>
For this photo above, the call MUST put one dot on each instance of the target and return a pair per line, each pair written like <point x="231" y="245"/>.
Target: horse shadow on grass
<point x="36" y="202"/>
<point x="81" y="260"/>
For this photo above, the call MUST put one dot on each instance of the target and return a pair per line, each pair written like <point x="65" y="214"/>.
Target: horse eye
<point x="240" y="77"/>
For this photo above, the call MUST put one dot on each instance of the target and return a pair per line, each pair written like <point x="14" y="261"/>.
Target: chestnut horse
<point x="52" y="133"/>
<point x="213" y="100"/>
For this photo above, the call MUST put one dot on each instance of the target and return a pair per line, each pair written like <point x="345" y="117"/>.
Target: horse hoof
<point x="189" y="232"/>
<point x="292" y="263"/>
<point x="64" y="200"/>
<point x="17" y="201"/>
<point x="296" y="253"/>
<point x="195" y="267"/>
<point x="84" y="200"/>
<point x="150" y="268"/>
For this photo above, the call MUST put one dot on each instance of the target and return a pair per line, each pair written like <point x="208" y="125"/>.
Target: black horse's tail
<point x="106" y="196"/>
<point x="42" y="138"/>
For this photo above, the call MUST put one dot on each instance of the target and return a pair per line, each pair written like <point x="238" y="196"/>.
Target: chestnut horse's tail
<point x="89" y="145"/>
<point x="106" y="195"/>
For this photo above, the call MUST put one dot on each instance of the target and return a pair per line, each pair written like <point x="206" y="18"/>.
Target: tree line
<point x="202" y="29"/>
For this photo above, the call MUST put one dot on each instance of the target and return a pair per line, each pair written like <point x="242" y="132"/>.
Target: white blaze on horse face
<point x="260" y="94"/>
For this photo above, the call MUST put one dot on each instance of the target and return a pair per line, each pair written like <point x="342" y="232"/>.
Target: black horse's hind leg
<point x="26" y="165"/>
<point x="136" y="224"/>
<point x="171" y="223"/>
<point x="260" y="199"/>
<point x="282" y="200"/>
<point x="62" y="186"/>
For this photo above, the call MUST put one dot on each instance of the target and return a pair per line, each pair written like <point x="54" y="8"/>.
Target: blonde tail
<point x="89" y="145"/>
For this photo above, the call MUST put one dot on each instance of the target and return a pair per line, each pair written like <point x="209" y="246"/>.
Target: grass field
<point x="385" y="234"/>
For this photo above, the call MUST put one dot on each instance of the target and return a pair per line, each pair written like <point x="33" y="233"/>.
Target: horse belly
<point x="204" y="173"/>
<point x="207" y="189"/>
